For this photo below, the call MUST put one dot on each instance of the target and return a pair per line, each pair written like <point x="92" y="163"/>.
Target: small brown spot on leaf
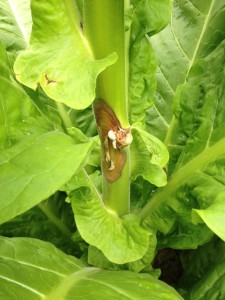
<point x="49" y="81"/>
<point x="81" y="27"/>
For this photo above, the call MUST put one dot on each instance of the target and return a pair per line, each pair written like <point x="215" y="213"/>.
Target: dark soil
<point x="168" y="260"/>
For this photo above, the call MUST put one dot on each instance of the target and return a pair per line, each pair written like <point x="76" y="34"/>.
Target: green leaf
<point x="142" y="81"/>
<point x="195" y="30"/>
<point x="58" y="56"/>
<point x="148" y="157"/>
<point x="35" y="168"/>
<point x="149" y="17"/>
<point x="15" y="25"/>
<point x="124" y="239"/>
<point x="32" y="269"/>
<point x="97" y="259"/>
<point x="182" y="233"/>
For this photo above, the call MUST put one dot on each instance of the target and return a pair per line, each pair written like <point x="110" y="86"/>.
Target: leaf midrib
<point x="31" y="265"/>
<point x="70" y="281"/>
<point x="22" y="285"/>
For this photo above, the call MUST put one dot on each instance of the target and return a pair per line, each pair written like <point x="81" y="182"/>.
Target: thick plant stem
<point x="104" y="28"/>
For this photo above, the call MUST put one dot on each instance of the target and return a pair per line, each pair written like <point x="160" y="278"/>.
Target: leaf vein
<point x="161" y="117"/>
<point x="23" y="286"/>
<point x="177" y="41"/>
<point x="164" y="77"/>
<point x="33" y="266"/>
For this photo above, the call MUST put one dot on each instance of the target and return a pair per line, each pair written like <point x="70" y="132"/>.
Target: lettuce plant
<point x="112" y="149"/>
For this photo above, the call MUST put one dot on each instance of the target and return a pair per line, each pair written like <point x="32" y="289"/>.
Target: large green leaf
<point x="32" y="269"/>
<point x="124" y="239"/>
<point x="15" y="25"/>
<point x="35" y="168"/>
<point x="196" y="28"/>
<point x="58" y="56"/>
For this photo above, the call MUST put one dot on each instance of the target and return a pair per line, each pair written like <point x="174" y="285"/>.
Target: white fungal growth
<point x="114" y="144"/>
<point x="111" y="135"/>
<point x="112" y="166"/>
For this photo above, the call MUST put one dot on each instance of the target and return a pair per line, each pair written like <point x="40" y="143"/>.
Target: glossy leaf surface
<point x="67" y="74"/>
<point x="35" y="168"/>
<point x="32" y="269"/>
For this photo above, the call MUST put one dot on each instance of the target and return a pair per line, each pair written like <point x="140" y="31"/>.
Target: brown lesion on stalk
<point x="113" y="139"/>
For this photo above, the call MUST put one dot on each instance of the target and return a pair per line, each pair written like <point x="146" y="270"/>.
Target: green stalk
<point x="105" y="30"/>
